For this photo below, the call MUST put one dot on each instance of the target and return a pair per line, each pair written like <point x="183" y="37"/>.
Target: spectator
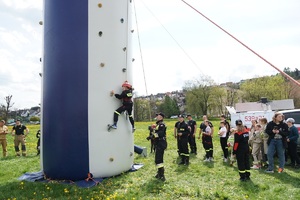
<point x="3" y="141"/>
<point x="256" y="146"/>
<point x="18" y="132"/>
<point x="277" y="131"/>
<point x="223" y="140"/>
<point x="191" y="139"/>
<point x="241" y="150"/>
<point x="292" y="139"/>
<point x="263" y="122"/>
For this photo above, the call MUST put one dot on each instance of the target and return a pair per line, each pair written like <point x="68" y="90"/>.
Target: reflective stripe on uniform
<point x="242" y="172"/>
<point x="160" y="165"/>
<point x="117" y="113"/>
<point x="184" y="154"/>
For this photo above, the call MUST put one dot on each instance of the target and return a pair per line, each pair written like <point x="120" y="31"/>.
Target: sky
<point x="177" y="43"/>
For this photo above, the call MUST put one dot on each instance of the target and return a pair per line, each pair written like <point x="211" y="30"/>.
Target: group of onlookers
<point x="256" y="145"/>
<point x="19" y="132"/>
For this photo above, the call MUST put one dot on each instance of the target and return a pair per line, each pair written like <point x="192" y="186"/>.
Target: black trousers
<point x="192" y="142"/>
<point x="242" y="158"/>
<point x="160" y="147"/>
<point x="178" y="144"/>
<point x="128" y="108"/>
<point x="292" y="150"/>
<point x="223" y="142"/>
<point x="183" y="146"/>
<point x="208" y="146"/>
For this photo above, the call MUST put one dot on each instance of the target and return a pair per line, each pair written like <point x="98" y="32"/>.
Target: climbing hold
<point x="124" y="49"/>
<point x="122" y="20"/>
<point x="102" y="64"/>
<point x="133" y="60"/>
<point x="132" y="31"/>
<point x="100" y="33"/>
<point x="111" y="159"/>
<point x="41" y="22"/>
<point x="131" y="154"/>
<point x="124" y="69"/>
<point x="100" y="5"/>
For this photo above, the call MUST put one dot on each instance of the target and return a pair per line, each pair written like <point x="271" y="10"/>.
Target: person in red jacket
<point x="241" y="150"/>
<point x="126" y="97"/>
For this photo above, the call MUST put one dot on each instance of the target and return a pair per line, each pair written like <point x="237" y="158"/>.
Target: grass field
<point x="199" y="180"/>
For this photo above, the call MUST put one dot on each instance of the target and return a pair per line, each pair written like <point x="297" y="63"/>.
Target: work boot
<point x="157" y="174"/>
<point x="182" y="160"/>
<point x="161" y="172"/>
<point x="186" y="161"/>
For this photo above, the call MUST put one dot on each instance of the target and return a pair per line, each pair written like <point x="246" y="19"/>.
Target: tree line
<point x="204" y="97"/>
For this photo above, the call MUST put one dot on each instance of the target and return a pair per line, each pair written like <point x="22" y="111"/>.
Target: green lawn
<point x="200" y="180"/>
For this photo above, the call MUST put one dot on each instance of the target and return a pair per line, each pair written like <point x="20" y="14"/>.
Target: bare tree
<point x="7" y="106"/>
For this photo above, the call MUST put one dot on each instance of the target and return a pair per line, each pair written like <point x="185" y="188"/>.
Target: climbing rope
<point x="142" y="60"/>
<point x="187" y="55"/>
<point x="280" y="71"/>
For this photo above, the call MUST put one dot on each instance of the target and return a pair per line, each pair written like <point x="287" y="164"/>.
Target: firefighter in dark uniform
<point x="183" y="132"/>
<point x="160" y="143"/>
<point x="241" y="150"/>
<point x="20" y="131"/>
<point x="191" y="139"/>
<point x="126" y="97"/>
<point x="176" y="136"/>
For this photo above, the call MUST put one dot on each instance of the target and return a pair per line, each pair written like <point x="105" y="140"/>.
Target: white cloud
<point x="271" y="29"/>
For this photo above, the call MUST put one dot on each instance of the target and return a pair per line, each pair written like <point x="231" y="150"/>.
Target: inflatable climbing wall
<point x="87" y="53"/>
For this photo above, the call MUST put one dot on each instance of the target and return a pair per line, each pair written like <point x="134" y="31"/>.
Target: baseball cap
<point x="238" y="122"/>
<point x="161" y="114"/>
<point x="290" y="120"/>
<point x="180" y="116"/>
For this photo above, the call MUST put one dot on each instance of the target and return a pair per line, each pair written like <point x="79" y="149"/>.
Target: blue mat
<point x="87" y="183"/>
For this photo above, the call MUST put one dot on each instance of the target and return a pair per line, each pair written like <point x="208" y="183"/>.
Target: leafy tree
<point x="218" y="100"/>
<point x="34" y="119"/>
<point x="294" y="74"/>
<point x="141" y="109"/>
<point x="198" y="95"/>
<point x="169" y="107"/>
<point x="272" y="87"/>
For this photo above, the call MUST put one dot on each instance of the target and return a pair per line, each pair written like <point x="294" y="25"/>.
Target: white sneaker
<point x="255" y="167"/>
<point x="211" y="159"/>
<point x="225" y="160"/>
<point x="206" y="160"/>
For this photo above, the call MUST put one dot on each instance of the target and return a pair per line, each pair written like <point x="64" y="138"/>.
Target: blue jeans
<point x="278" y="146"/>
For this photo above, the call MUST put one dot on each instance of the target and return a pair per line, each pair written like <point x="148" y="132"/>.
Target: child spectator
<point x="223" y="140"/>
<point x="230" y="143"/>
<point x="207" y="142"/>
<point x="256" y="146"/>
<point x="263" y="122"/>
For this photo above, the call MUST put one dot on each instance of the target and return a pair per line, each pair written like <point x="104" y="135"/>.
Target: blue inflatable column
<point x="86" y="55"/>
